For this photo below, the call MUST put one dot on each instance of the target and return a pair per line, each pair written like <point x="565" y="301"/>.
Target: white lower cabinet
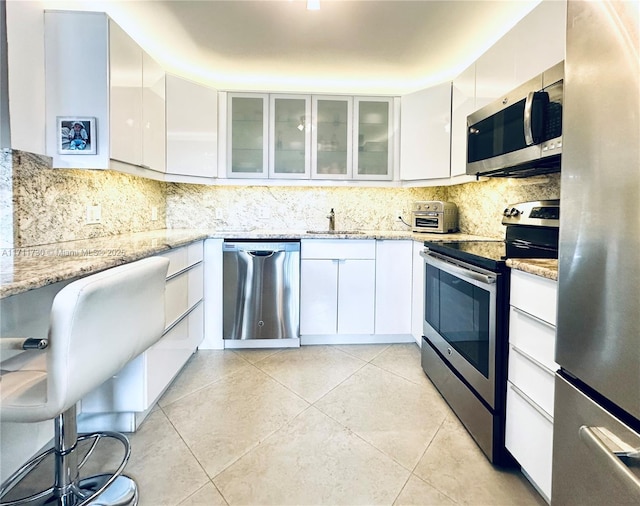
<point x="123" y="402"/>
<point x="530" y="389"/>
<point x="393" y="287"/>
<point x="355" y="291"/>
<point x="337" y="286"/>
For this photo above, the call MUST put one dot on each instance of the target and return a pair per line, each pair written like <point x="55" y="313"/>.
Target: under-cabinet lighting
<point x="313" y="5"/>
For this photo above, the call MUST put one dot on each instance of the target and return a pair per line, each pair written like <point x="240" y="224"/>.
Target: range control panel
<point x="538" y="213"/>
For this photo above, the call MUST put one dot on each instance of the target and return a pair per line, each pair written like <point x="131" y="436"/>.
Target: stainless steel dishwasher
<point x="261" y="292"/>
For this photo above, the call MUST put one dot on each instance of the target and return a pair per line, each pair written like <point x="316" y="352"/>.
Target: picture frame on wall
<point x="76" y="135"/>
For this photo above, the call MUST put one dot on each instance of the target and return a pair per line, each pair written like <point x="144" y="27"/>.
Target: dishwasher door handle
<point x="264" y="254"/>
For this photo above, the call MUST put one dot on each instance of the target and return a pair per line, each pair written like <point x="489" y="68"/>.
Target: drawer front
<point x="167" y="356"/>
<point x="340" y="249"/>
<point x="183" y="292"/>
<point x="535" y="295"/>
<point x="529" y="438"/>
<point x="535" y="337"/>
<point x="535" y="381"/>
<point x="181" y="258"/>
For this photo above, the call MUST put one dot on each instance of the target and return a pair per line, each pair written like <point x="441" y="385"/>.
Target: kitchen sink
<point x="334" y="232"/>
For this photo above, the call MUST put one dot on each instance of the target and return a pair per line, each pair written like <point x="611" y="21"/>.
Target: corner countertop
<point x="24" y="269"/>
<point x="545" y="267"/>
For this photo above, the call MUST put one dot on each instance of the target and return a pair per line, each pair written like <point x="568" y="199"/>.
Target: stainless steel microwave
<point x="520" y="134"/>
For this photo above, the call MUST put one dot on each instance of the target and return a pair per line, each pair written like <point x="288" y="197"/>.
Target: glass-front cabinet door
<point x="290" y="134"/>
<point x="373" y="153"/>
<point x="331" y="154"/>
<point x="248" y="122"/>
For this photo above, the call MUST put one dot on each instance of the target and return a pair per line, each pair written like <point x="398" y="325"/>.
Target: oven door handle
<point x="459" y="269"/>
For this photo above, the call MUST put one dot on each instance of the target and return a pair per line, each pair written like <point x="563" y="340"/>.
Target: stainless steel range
<point x="465" y="325"/>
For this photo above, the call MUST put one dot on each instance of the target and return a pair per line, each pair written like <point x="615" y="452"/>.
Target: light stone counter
<point x="545" y="267"/>
<point x="24" y="269"/>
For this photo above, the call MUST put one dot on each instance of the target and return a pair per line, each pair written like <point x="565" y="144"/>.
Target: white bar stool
<point x="97" y="325"/>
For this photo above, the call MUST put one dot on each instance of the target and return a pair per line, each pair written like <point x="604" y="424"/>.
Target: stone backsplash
<point x="292" y="208"/>
<point x="49" y="205"/>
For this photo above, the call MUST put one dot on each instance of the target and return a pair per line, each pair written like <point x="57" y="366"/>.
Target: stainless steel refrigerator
<point x="596" y="452"/>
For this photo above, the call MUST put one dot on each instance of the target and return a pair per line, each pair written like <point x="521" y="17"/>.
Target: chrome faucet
<point x="332" y="220"/>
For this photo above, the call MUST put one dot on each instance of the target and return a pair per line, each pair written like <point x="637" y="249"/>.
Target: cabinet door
<point x="496" y="70"/>
<point x="192" y="128"/>
<point x="356" y="296"/>
<point x="154" y="134"/>
<point x="290" y="134"/>
<point x="417" y="292"/>
<point x="373" y="136"/>
<point x="331" y="137"/>
<point x="541" y="38"/>
<point x="247" y="135"/>
<point x="463" y="104"/>
<point x="394" y="261"/>
<point x="318" y="296"/>
<point x="425" y="126"/>
<point x="125" y="106"/>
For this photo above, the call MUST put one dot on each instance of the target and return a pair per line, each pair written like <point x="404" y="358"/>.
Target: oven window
<point x="427" y="222"/>
<point x="459" y="312"/>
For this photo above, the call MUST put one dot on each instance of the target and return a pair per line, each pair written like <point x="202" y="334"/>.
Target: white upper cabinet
<point x="109" y="79"/>
<point x="125" y="96"/>
<point x="462" y="104"/>
<point x="304" y="136"/>
<point x="425" y="126"/>
<point x="154" y="134"/>
<point x="331" y="138"/>
<point x="247" y="135"/>
<point x="192" y="129"/>
<point x="372" y="138"/>
<point x="290" y="136"/>
<point x="536" y="43"/>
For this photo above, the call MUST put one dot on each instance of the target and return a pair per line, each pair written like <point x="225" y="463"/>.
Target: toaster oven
<point x="434" y="216"/>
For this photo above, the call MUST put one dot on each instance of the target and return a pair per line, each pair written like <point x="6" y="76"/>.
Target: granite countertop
<point x="23" y="269"/>
<point x="545" y="267"/>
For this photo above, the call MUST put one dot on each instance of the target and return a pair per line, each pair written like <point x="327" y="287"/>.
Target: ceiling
<point x="360" y="47"/>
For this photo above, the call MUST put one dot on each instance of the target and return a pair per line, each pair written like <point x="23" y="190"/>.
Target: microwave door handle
<point x="528" y="129"/>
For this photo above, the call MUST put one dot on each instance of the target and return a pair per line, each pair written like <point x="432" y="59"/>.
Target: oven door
<point x="460" y="319"/>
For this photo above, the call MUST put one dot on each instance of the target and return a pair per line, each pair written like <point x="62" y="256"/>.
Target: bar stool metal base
<point x="111" y="489"/>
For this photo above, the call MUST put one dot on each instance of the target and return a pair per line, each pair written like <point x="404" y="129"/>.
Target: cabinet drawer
<point x="340" y="249"/>
<point x="533" y="380"/>
<point x="181" y="258"/>
<point x="183" y="292"/>
<point x="167" y="356"/>
<point x="529" y="438"/>
<point x="535" y="337"/>
<point x="535" y="295"/>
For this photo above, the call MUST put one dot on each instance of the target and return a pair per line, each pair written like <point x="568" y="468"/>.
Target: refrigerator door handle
<point x="594" y="439"/>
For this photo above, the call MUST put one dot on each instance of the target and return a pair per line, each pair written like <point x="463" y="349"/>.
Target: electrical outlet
<point x="219" y="213"/>
<point x="154" y="213"/>
<point x="94" y="214"/>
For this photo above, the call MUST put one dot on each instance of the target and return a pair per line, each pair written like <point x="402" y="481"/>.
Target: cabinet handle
<point x="531" y="402"/>
<point x="593" y="438"/>
<point x="533" y="360"/>
<point x="539" y="320"/>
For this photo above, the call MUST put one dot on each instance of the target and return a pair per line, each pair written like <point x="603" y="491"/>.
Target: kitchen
<point x="477" y="201"/>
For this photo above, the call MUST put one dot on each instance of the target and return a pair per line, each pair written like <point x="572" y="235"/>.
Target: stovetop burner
<point x="532" y="232"/>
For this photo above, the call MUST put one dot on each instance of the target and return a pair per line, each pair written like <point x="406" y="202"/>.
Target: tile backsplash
<point x="49" y="205"/>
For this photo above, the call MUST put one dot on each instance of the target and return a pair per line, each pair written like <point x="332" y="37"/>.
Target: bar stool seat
<point x="97" y="325"/>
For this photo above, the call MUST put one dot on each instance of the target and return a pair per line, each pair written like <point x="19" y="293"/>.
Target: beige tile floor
<point x="316" y="425"/>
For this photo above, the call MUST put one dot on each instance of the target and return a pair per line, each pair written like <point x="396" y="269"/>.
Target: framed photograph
<point x="77" y="135"/>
